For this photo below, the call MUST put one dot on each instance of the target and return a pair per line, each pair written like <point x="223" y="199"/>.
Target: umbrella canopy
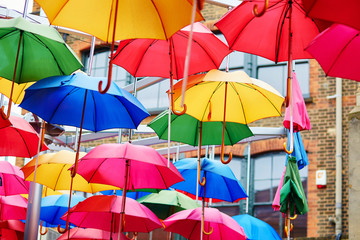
<point x="12" y="229"/>
<point x="221" y="182"/>
<point x="18" y="90"/>
<point x="11" y="180"/>
<point x="255" y="229"/>
<point x="292" y="195"/>
<point x="162" y="58"/>
<point x="13" y="207"/>
<point x="187" y="224"/>
<point x="134" y="195"/>
<point x="186" y="129"/>
<point x="90" y="234"/>
<point x="268" y="35"/>
<point x="4" y="123"/>
<point x="20" y="139"/>
<point x="107" y="164"/>
<point x="167" y="202"/>
<point x="335" y="11"/>
<point x="102" y="212"/>
<point x="59" y="100"/>
<point x="53" y="172"/>
<point x="42" y="51"/>
<point x="53" y="208"/>
<point x="336" y="49"/>
<point x="157" y="19"/>
<point x="206" y="94"/>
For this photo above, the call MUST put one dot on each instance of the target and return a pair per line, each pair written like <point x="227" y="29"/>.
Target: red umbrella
<point x="345" y="12"/>
<point x="11" y="180"/>
<point x="337" y="50"/>
<point x="129" y="167"/>
<point x="4" y="123"/>
<point x="12" y="229"/>
<point x="188" y="224"/>
<point x="102" y="212"/>
<point x="20" y="139"/>
<point x="13" y="207"/>
<point x="90" y="234"/>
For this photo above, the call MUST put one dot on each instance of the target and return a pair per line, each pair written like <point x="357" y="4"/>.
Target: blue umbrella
<point x="60" y="99"/>
<point x="221" y="182"/>
<point x="133" y="195"/>
<point x="54" y="207"/>
<point x="299" y="151"/>
<point x="255" y="229"/>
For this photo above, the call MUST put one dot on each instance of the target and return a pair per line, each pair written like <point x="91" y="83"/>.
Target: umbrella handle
<point x="3" y="115"/>
<point x="288" y="151"/>
<point x="41" y="227"/>
<point x="63" y="231"/>
<point x="207" y="233"/>
<point x="176" y="112"/>
<point x="106" y="88"/>
<point x="222" y="155"/>
<point x="259" y="14"/>
<point x="294" y="217"/>
<point x="202" y="183"/>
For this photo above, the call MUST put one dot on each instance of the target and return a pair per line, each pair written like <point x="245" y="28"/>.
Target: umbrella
<point x="292" y="195"/>
<point x="167" y="202"/>
<point x="120" y="19"/>
<point x="221" y="182"/>
<point x="20" y="139"/>
<point x="18" y="90"/>
<point x="128" y="166"/>
<point x="102" y="212"/>
<point x="32" y="51"/>
<point x="334" y="11"/>
<point x="12" y="207"/>
<point x="255" y="229"/>
<point x="276" y="201"/>
<point x="4" y="123"/>
<point x="54" y="207"/>
<point x="208" y="99"/>
<point x="187" y="224"/>
<point x="134" y="195"/>
<point x="336" y="49"/>
<point x="12" y="229"/>
<point x="53" y="172"/>
<point x="90" y="234"/>
<point x="11" y="180"/>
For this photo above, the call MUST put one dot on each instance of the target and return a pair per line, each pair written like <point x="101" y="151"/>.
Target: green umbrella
<point x="185" y="129"/>
<point x="167" y="202"/>
<point x="292" y="194"/>
<point x="30" y="52"/>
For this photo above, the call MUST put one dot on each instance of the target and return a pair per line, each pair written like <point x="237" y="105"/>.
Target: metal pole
<point x="33" y="212"/>
<point x="25" y="8"/>
<point x="248" y="176"/>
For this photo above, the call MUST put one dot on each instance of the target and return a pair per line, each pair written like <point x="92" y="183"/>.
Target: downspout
<point x="338" y="184"/>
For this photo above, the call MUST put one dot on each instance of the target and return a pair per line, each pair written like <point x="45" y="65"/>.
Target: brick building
<point x="319" y="142"/>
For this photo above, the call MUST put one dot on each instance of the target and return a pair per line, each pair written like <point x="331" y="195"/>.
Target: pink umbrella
<point x="337" y="50"/>
<point x="90" y="234"/>
<point x="187" y="223"/>
<point x="102" y="212"/>
<point x="20" y="139"/>
<point x="13" y="207"/>
<point x="276" y="202"/>
<point x="12" y="180"/>
<point x="128" y="166"/>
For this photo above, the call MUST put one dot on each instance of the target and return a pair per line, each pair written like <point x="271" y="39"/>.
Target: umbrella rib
<point x="58" y="177"/>
<point x="162" y="24"/>
<point x="281" y="23"/>
<point x="93" y="174"/>
<point x="173" y="51"/>
<point x="53" y="113"/>
<point x="93" y="97"/>
<point x="119" y="99"/>
<point x="143" y="55"/>
<point x="26" y="145"/>
<point x="67" y="1"/>
<point x="212" y="94"/>
<point x="22" y="59"/>
<point x="240" y="100"/>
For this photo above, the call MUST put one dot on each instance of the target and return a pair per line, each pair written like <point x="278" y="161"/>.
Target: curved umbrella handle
<point x="294" y="217"/>
<point x="63" y="231"/>
<point x="41" y="227"/>
<point x="171" y="92"/>
<point x="178" y="113"/>
<point x="222" y="155"/>
<point x="4" y="115"/>
<point x="208" y="233"/>
<point x="288" y="151"/>
<point x="202" y="183"/>
<point x="106" y="88"/>
<point x="255" y="9"/>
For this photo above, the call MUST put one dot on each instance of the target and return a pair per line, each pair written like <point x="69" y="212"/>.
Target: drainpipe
<point x="338" y="184"/>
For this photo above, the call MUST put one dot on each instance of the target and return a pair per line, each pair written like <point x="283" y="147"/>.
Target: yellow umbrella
<point x="112" y="20"/>
<point x="228" y="97"/>
<point x="53" y="172"/>
<point x="18" y="92"/>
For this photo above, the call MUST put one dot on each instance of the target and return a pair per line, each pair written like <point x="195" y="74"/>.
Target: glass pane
<point x="163" y="96"/>
<point x="302" y="74"/>
<point x="275" y="76"/>
<point x="262" y="191"/>
<point x="278" y="165"/>
<point x="146" y="96"/>
<point x="268" y="215"/>
<point x="262" y="168"/>
<point x="264" y="61"/>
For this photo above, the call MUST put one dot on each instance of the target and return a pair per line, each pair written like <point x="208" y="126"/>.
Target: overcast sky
<point x="16" y="4"/>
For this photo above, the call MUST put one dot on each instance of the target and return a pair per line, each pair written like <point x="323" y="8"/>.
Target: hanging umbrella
<point x="229" y="97"/>
<point x="12" y="229"/>
<point x="221" y="182"/>
<point x="18" y="90"/>
<point x="31" y="52"/>
<point x="187" y="223"/>
<point x="53" y="172"/>
<point x="120" y="19"/>
<point x="336" y="49"/>
<point x="11" y="180"/>
<point x="255" y="229"/>
<point x="13" y="207"/>
<point x="102" y="212"/>
<point x="276" y="201"/>
<point x="90" y="234"/>
<point x="134" y="195"/>
<point x="334" y="11"/>
<point x="20" y="139"/>
<point x="167" y="202"/>
<point x="128" y="166"/>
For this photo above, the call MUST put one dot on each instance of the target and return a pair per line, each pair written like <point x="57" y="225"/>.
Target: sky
<point x="16" y="4"/>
